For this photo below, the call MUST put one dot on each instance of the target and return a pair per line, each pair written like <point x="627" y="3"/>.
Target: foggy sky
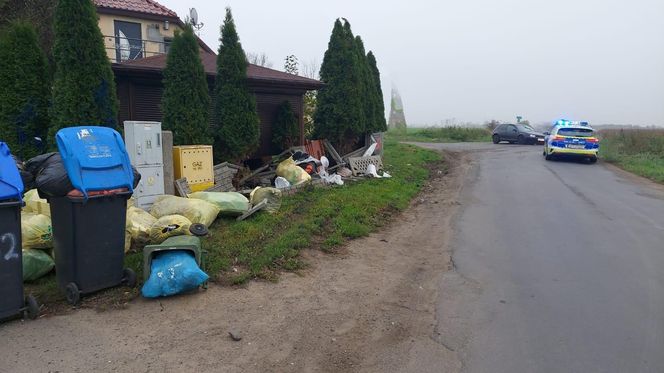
<point x="476" y="60"/>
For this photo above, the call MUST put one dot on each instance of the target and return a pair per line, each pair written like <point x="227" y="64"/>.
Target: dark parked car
<point x="517" y="133"/>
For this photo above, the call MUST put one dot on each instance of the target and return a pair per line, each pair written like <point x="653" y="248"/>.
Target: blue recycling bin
<point x="89" y="231"/>
<point x="12" y="300"/>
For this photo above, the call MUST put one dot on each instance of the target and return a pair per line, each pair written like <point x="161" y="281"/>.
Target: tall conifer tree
<point x="339" y="114"/>
<point x="24" y="90"/>
<point x="379" y="108"/>
<point x="186" y="100"/>
<point x="83" y="86"/>
<point x="366" y="86"/>
<point x="236" y="127"/>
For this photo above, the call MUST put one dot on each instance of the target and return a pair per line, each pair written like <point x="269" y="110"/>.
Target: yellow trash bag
<point x="169" y="226"/>
<point x="229" y="203"/>
<point x="127" y="246"/>
<point x="292" y="172"/>
<point x="138" y="225"/>
<point x="36" y="231"/>
<point x="196" y="210"/>
<point x="273" y="196"/>
<point x="35" y="204"/>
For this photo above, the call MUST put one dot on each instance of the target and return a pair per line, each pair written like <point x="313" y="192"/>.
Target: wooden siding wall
<point x="267" y="104"/>
<point x="141" y="100"/>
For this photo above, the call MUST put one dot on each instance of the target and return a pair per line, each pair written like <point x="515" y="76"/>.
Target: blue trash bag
<point x="173" y="272"/>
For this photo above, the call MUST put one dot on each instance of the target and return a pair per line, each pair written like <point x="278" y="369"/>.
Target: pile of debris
<point x="317" y="163"/>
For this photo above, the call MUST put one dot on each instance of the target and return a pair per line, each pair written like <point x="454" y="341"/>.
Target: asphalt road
<point x="559" y="267"/>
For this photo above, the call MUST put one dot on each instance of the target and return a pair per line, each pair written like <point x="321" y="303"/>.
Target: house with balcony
<point x="137" y="35"/>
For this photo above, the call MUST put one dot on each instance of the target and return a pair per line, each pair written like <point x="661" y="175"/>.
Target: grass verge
<point x="441" y="134"/>
<point x="265" y="244"/>
<point x="640" y="151"/>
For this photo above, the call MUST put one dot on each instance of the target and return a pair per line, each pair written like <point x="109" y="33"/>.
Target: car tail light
<point x="559" y="138"/>
<point x="592" y="139"/>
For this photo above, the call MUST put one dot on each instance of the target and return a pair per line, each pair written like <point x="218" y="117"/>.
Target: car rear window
<point x="576" y="132"/>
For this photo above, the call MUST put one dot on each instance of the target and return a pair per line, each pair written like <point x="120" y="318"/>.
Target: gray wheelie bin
<point x="89" y="227"/>
<point x="12" y="300"/>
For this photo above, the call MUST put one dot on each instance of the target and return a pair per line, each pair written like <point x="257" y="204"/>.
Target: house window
<point x="167" y="44"/>
<point x="128" y="41"/>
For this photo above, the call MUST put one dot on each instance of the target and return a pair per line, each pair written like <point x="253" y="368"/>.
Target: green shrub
<point x="24" y="90"/>
<point x="186" y="100"/>
<point x="236" y="127"/>
<point x="83" y="86"/>
<point x="286" y="131"/>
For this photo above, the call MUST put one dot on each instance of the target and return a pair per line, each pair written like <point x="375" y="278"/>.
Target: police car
<point x="571" y="139"/>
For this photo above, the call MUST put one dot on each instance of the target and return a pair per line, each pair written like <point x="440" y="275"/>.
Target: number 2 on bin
<point x="9" y="238"/>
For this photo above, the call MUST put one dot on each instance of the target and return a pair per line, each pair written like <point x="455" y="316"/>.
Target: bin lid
<point x="95" y="158"/>
<point x="11" y="185"/>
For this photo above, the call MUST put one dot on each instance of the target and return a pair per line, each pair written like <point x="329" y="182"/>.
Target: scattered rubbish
<point x="35" y="204"/>
<point x="182" y="187"/>
<point x="223" y="177"/>
<point x="169" y="226"/>
<point x="173" y="272"/>
<point x="138" y="225"/>
<point x="289" y="170"/>
<point x="196" y="210"/>
<point x="371" y="171"/>
<point x="235" y="335"/>
<point x="273" y="196"/>
<point x="36" y="264"/>
<point x="36" y="231"/>
<point x="331" y="179"/>
<point x="281" y="183"/>
<point x="344" y="172"/>
<point x="260" y="206"/>
<point x="359" y="164"/>
<point x="370" y="150"/>
<point x="229" y="203"/>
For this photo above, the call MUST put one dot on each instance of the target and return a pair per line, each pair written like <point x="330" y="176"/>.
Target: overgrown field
<point x="324" y="218"/>
<point x="441" y="134"/>
<point x="640" y="151"/>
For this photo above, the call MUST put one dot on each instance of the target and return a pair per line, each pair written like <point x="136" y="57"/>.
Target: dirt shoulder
<point x="369" y="307"/>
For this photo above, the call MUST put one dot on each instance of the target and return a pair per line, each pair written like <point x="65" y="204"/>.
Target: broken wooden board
<point x="333" y="152"/>
<point x="253" y="174"/>
<point x="182" y="187"/>
<point x="259" y="206"/>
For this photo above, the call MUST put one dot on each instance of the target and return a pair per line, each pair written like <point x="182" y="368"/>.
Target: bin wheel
<point x="129" y="277"/>
<point x="72" y="293"/>
<point x="31" y="308"/>
<point x="198" y="229"/>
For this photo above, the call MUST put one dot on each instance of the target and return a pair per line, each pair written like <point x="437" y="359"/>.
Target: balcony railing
<point x="120" y="49"/>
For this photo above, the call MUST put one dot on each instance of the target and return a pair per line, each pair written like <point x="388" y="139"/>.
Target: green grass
<point x="441" y="134"/>
<point x="323" y="218"/>
<point x="640" y="151"/>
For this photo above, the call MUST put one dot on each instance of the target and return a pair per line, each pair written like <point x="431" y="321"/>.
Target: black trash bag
<point x="49" y="174"/>
<point x="300" y="155"/>
<point x="51" y="178"/>
<point x="26" y="177"/>
<point x="137" y="176"/>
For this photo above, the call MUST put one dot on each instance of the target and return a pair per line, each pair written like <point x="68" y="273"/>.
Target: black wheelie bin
<point x="89" y="223"/>
<point x="12" y="300"/>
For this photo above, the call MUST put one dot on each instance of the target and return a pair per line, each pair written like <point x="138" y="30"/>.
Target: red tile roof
<point x="254" y="72"/>
<point x="140" y="6"/>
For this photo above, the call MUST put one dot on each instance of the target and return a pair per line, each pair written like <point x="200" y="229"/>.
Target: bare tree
<point x="491" y="125"/>
<point x="259" y="59"/>
<point x="311" y="69"/>
<point x="291" y="64"/>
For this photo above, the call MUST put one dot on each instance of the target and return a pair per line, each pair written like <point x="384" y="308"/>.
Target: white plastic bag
<point x="281" y="183"/>
<point x="371" y="170"/>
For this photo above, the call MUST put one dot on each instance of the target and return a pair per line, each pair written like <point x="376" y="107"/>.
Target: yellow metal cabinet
<point x="195" y="163"/>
